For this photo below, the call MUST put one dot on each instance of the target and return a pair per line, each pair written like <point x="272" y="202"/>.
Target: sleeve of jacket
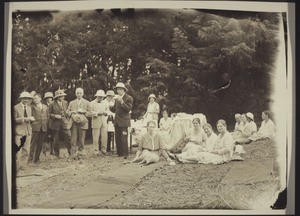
<point x="127" y="105"/>
<point x="50" y="109"/>
<point x="19" y="120"/>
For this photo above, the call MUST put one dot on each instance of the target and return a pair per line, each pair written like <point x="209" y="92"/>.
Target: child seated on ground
<point x="267" y="128"/>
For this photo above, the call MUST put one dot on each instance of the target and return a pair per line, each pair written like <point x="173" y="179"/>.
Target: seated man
<point x="267" y="128"/>
<point x="151" y="147"/>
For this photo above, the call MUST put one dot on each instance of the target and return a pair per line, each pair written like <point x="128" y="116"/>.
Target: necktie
<point x="25" y="112"/>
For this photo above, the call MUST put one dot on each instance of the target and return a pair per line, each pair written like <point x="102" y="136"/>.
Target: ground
<point x="183" y="186"/>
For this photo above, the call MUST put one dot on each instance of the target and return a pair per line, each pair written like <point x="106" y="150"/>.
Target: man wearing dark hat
<point x="48" y="98"/>
<point x="122" y="108"/>
<point x="23" y="119"/>
<point x="59" y="122"/>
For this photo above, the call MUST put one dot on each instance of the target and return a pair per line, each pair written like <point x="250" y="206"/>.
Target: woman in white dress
<point x="194" y="141"/>
<point x="267" y="128"/>
<point x="152" y="109"/>
<point x="165" y="122"/>
<point x="222" y="151"/>
<point x="248" y="130"/>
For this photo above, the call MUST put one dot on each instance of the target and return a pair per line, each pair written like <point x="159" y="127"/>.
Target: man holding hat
<point x="48" y="98"/>
<point x="152" y="109"/>
<point x="79" y="109"/>
<point x="99" y="122"/>
<point x="23" y="119"/>
<point x="122" y="108"/>
<point x="59" y="122"/>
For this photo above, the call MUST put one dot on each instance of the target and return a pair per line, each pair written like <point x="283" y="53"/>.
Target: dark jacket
<point x="55" y="109"/>
<point x="41" y="118"/>
<point x="122" y="111"/>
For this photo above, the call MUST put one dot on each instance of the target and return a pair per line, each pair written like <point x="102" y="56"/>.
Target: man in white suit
<point x="23" y="119"/>
<point x="99" y="113"/>
<point x="78" y="109"/>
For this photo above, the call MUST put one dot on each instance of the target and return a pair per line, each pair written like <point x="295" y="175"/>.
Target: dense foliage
<point x="183" y="56"/>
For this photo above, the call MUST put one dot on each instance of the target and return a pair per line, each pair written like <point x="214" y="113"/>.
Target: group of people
<point x="202" y="145"/>
<point x="110" y="116"/>
<point x="34" y="122"/>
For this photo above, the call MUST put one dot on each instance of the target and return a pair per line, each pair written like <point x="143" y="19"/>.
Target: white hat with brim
<point x="120" y="85"/>
<point x="25" y="95"/>
<point x="48" y="95"/>
<point x="59" y="93"/>
<point x="100" y="93"/>
<point x="110" y="93"/>
<point x="152" y="96"/>
<point x="250" y="115"/>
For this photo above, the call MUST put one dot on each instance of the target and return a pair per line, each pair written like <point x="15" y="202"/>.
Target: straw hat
<point x="110" y="93"/>
<point x="100" y="93"/>
<point x="250" y="115"/>
<point x="48" y="95"/>
<point x="59" y="93"/>
<point x="152" y="96"/>
<point x="120" y="85"/>
<point x="25" y="95"/>
<point x="78" y="118"/>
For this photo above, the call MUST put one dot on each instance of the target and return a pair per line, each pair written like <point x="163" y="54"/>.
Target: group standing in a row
<point x="56" y="118"/>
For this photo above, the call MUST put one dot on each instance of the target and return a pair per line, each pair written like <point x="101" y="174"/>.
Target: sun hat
<point x="48" y="95"/>
<point x="250" y="115"/>
<point x="120" y="85"/>
<point x="59" y="93"/>
<point x="110" y="93"/>
<point x="100" y="93"/>
<point x="25" y="95"/>
<point x="78" y="118"/>
<point x="152" y="96"/>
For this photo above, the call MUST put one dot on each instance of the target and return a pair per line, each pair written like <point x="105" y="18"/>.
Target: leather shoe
<point x="125" y="157"/>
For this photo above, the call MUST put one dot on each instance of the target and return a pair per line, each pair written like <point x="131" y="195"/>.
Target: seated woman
<point x="267" y="128"/>
<point x="151" y="147"/>
<point x="249" y="129"/>
<point x="222" y="151"/>
<point x="194" y="139"/>
<point x="239" y="125"/>
<point x="165" y="122"/>
<point x="211" y="137"/>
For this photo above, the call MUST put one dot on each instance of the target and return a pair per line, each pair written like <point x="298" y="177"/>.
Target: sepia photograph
<point x="148" y="107"/>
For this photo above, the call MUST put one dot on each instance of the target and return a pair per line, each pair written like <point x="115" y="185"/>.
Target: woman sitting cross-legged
<point x="151" y="147"/>
<point x="222" y="151"/>
<point x="267" y="128"/>
<point x="248" y="130"/>
<point x="193" y="140"/>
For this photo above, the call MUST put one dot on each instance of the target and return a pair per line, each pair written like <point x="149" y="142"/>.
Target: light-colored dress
<point x="224" y="146"/>
<point x="165" y="124"/>
<point x="197" y="142"/>
<point x="211" y="141"/>
<point x="266" y="131"/>
<point x="151" y="147"/>
<point x="152" y="111"/>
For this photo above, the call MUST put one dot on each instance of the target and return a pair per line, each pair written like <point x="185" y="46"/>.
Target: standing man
<point x="59" y="122"/>
<point x="99" y="122"/>
<point x="79" y="109"/>
<point x="23" y="118"/>
<point x="109" y="102"/>
<point x="40" y="113"/>
<point x="48" y="97"/>
<point x="122" y="107"/>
